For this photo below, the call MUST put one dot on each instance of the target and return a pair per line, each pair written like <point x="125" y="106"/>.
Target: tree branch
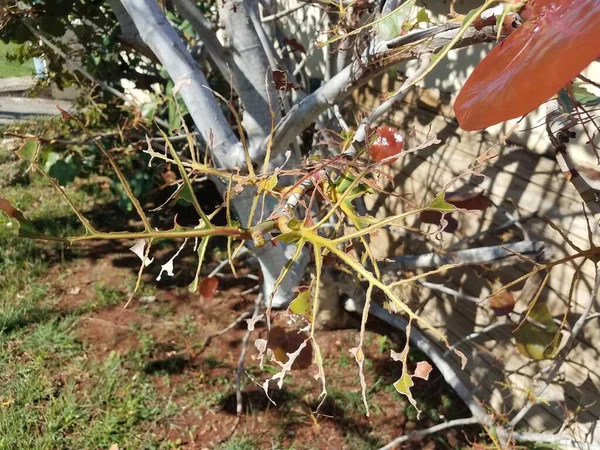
<point x="435" y="429"/>
<point x="359" y="73"/>
<point x="480" y="255"/>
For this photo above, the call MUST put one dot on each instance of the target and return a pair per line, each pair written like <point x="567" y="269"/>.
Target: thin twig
<point x="431" y="430"/>
<point x="560" y="359"/>
<point x="240" y="368"/>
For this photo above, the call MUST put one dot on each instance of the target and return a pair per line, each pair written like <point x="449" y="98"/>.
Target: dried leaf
<point x="423" y="370"/>
<point x="280" y="78"/>
<point x="208" y="287"/>
<point x="284" y="343"/>
<point x="502" y="303"/>
<point x="140" y="250"/>
<point x="468" y="200"/>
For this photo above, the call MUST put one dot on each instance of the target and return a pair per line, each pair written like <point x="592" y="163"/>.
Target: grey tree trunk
<point x="159" y="35"/>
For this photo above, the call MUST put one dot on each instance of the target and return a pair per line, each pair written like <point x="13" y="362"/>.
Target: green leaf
<point x="440" y="204"/>
<point x="538" y="338"/>
<point x="391" y="26"/>
<point x="423" y="16"/>
<point x="302" y="305"/>
<point x="343" y="183"/>
<point x="12" y="218"/>
<point x="63" y="172"/>
<point x="185" y="194"/>
<point x="28" y="150"/>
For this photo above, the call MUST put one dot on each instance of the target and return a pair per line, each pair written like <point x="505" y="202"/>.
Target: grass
<point x="59" y="392"/>
<point x="51" y="394"/>
<point x="10" y="68"/>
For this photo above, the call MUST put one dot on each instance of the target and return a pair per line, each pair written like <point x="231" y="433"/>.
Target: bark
<point x="163" y="40"/>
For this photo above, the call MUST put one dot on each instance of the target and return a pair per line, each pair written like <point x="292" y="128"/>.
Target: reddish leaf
<point x="436" y="217"/>
<point x="502" y="303"/>
<point x="208" y="287"/>
<point x="389" y="142"/>
<point x="9" y="209"/>
<point x="280" y="78"/>
<point x="559" y="39"/>
<point x="282" y="342"/>
<point x="297" y="46"/>
<point x="422" y="370"/>
<point x="468" y="200"/>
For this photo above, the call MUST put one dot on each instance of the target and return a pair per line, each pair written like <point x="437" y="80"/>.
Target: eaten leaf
<point x="284" y="343"/>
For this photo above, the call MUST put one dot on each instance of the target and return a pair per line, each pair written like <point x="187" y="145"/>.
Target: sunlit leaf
<point x="302" y="305"/>
<point x="389" y="143"/>
<point x="556" y="43"/>
<point x="391" y="26"/>
<point x="28" y="150"/>
<point x="440" y="204"/>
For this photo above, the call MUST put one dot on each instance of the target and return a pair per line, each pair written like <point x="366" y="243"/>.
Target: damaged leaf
<point x="284" y="343"/>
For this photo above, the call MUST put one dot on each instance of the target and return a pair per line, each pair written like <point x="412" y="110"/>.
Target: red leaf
<point x="532" y="64"/>
<point x="389" y="142"/>
<point x="283" y="342"/>
<point x="208" y="287"/>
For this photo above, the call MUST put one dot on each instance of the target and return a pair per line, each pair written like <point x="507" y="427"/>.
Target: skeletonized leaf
<point x="140" y="250"/>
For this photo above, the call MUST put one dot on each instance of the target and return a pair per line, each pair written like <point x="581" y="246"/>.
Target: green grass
<point x="13" y="68"/>
<point x="52" y="395"/>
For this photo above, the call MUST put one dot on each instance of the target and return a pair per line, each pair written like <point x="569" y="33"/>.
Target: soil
<point x="169" y="326"/>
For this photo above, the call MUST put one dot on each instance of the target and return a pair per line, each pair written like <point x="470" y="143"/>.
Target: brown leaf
<point x="297" y="46"/>
<point x="9" y="209"/>
<point x="502" y="303"/>
<point x="468" y="200"/>
<point x="282" y="342"/>
<point x="438" y="218"/>
<point x="208" y="287"/>
<point x="280" y="78"/>
<point x="422" y="370"/>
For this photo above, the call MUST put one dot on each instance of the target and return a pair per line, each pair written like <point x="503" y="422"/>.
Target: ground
<point x="79" y="371"/>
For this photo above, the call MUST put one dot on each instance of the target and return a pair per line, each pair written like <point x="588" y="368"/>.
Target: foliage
<point x="310" y="203"/>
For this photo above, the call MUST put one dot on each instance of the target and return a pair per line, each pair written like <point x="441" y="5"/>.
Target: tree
<point x="274" y="185"/>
